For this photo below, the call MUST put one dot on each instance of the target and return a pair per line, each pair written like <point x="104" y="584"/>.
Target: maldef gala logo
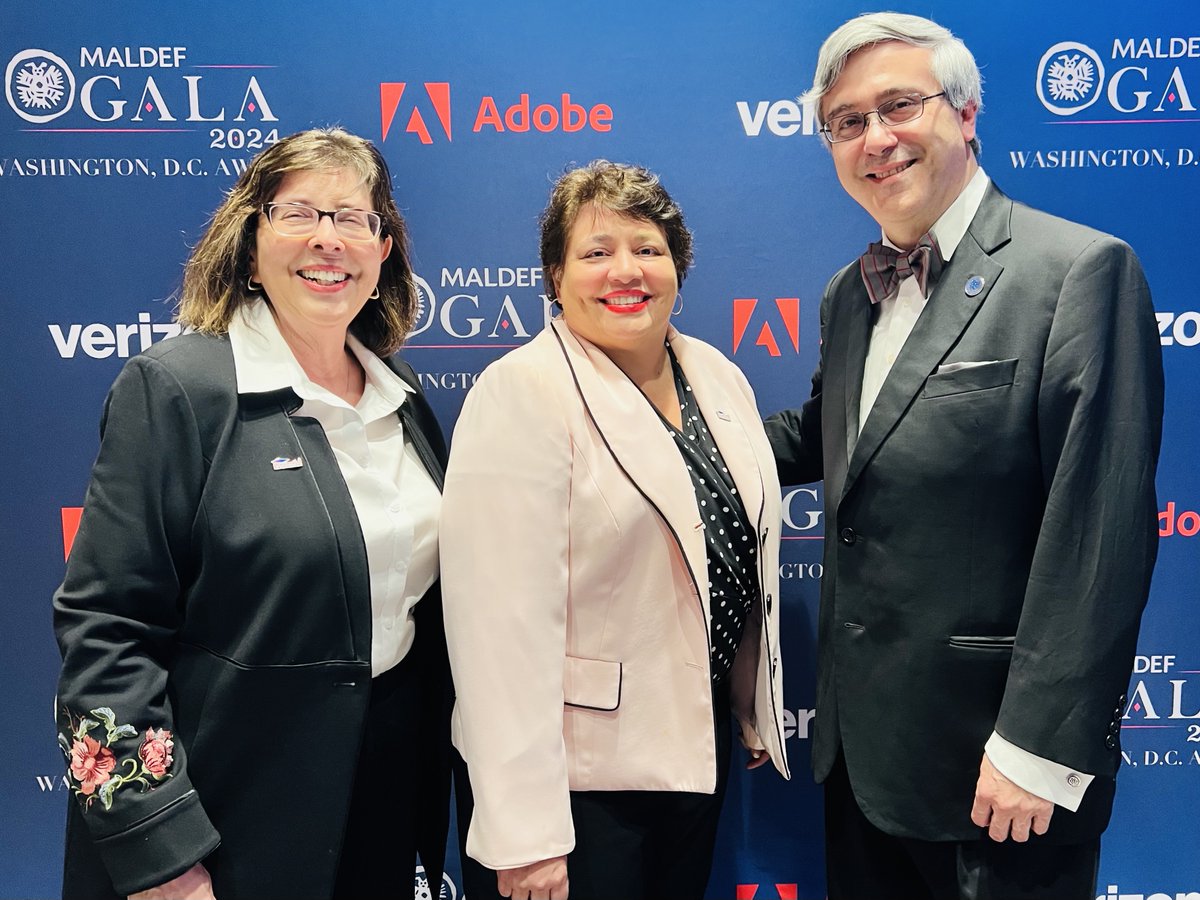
<point x="39" y="85"/>
<point x="1069" y="78"/>
<point x="423" y="890"/>
<point x="1145" y="75"/>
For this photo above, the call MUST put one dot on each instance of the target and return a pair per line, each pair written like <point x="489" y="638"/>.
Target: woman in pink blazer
<point x="610" y="558"/>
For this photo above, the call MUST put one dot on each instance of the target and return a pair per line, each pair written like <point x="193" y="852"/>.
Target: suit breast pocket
<point x="970" y="378"/>
<point x="997" y="642"/>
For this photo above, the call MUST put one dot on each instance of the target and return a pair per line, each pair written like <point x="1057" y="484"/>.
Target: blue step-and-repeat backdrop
<point x="123" y="124"/>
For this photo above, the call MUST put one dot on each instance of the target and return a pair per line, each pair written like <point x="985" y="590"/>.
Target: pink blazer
<point x="575" y="583"/>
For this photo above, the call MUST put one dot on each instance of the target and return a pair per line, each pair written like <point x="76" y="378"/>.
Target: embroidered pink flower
<point x="156" y="751"/>
<point x="91" y="763"/>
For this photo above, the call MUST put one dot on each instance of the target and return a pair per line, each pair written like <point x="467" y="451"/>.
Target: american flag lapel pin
<point x="280" y="463"/>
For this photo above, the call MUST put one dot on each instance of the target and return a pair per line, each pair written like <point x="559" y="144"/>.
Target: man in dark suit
<point x="986" y="417"/>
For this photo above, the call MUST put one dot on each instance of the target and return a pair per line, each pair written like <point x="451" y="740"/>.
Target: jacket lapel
<point x="726" y="426"/>
<point x="327" y="480"/>
<point x="420" y="424"/>
<point x="846" y="357"/>
<point x="947" y="314"/>
<point x="638" y="440"/>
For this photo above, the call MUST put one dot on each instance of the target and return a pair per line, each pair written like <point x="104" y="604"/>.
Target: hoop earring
<point x="679" y="301"/>
<point x="254" y="287"/>
<point x="374" y="295"/>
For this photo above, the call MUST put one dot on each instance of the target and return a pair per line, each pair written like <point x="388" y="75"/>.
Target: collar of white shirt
<point x="952" y="224"/>
<point x="264" y="362"/>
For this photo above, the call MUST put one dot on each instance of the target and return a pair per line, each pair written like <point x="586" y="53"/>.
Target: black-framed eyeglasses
<point x="897" y="111"/>
<point x="300" y="220"/>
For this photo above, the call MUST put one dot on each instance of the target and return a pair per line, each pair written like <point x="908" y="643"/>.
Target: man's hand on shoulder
<point x="1005" y="809"/>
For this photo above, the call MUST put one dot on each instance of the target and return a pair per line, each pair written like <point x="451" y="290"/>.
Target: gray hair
<point x="952" y="65"/>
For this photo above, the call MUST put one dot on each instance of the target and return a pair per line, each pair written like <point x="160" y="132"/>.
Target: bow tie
<point x="883" y="268"/>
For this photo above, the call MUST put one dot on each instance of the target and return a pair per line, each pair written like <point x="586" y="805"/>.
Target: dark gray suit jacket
<point x="991" y="532"/>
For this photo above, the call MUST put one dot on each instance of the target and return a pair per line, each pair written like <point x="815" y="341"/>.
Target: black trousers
<point x="379" y="851"/>
<point x="864" y="863"/>
<point x="631" y="845"/>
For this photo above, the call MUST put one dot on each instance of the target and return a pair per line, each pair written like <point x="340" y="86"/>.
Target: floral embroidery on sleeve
<point x="95" y="767"/>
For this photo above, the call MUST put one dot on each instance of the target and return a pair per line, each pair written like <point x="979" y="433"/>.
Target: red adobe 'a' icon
<point x="70" y="526"/>
<point x="438" y="92"/>
<point x="784" y="891"/>
<point x="789" y="314"/>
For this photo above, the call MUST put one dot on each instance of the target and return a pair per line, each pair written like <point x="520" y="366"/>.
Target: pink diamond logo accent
<point x="251" y="107"/>
<point x="1137" y="707"/>
<point x="504" y="324"/>
<point x="1171" y="96"/>
<point x="149" y="107"/>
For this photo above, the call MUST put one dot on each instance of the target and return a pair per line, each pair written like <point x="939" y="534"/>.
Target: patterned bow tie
<point x="883" y="268"/>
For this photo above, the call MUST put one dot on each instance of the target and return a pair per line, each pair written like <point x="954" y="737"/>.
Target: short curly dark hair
<point x="629" y="190"/>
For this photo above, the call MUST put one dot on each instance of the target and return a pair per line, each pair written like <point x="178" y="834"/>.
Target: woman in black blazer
<point x="254" y="699"/>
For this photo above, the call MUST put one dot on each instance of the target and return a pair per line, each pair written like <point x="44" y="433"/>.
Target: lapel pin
<point x="974" y="285"/>
<point x="280" y="463"/>
<point x="723" y="416"/>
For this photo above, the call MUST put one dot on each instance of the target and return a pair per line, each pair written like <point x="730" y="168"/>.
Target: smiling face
<point x="318" y="284"/>
<point x="617" y="283"/>
<point x="904" y="176"/>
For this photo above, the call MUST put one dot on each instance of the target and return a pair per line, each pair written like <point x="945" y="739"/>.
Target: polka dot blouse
<point x="732" y="549"/>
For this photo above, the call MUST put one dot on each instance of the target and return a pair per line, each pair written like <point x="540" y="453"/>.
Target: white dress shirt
<point x="897" y="316"/>
<point x="894" y="322"/>
<point x="395" y="498"/>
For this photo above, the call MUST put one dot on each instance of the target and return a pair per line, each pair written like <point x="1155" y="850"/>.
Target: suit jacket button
<point x="848" y="536"/>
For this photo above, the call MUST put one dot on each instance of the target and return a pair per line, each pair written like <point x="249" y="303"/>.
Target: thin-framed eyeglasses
<point x="301" y="220"/>
<point x="897" y="111"/>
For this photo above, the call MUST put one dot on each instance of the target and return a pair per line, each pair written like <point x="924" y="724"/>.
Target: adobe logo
<point x="438" y="94"/>
<point x="783" y="892"/>
<point x="787" y="315"/>
<point x="70" y="527"/>
<point x="524" y="116"/>
<point x="1183" y="522"/>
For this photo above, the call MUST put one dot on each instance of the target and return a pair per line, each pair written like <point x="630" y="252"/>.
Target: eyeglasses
<point x="298" y="220"/>
<point x="897" y="111"/>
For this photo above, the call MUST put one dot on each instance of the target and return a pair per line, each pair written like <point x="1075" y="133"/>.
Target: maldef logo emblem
<point x="39" y="85"/>
<point x="1069" y="78"/>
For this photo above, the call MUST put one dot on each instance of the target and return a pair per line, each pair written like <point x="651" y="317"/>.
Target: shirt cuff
<point x="1049" y="780"/>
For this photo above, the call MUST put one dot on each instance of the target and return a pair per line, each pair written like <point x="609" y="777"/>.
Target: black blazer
<point x="991" y="532"/>
<point x="216" y="597"/>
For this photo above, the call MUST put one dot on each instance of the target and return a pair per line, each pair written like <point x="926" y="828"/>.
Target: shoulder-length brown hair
<point x="216" y="274"/>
